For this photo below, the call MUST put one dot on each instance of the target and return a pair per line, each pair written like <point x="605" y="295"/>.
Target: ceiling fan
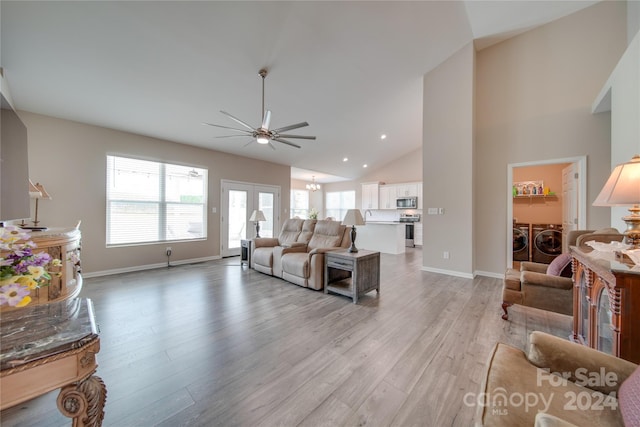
<point x="262" y="134"/>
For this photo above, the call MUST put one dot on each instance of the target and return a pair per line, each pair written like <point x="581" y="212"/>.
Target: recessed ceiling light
<point x="383" y="136"/>
<point x="346" y="159"/>
<point x="364" y="166"/>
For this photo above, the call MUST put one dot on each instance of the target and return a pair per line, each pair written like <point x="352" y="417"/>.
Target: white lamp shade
<point x="353" y="217"/>
<point x="257" y="216"/>
<point x="623" y="186"/>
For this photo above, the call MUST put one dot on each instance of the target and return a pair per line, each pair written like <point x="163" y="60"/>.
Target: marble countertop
<point x="40" y="331"/>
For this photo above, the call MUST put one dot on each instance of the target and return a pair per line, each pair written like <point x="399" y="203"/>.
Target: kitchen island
<point x="384" y="236"/>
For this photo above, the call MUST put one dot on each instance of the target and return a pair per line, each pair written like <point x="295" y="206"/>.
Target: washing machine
<point x="546" y="242"/>
<point x="521" y="242"/>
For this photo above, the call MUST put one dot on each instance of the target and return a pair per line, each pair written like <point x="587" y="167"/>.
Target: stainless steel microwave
<point x="407" y="203"/>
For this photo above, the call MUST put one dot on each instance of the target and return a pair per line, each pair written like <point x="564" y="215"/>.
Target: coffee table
<point x="51" y="346"/>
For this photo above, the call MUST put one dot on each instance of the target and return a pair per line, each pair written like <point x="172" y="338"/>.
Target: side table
<point x="245" y="252"/>
<point x="50" y="346"/>
<point x="364" y="269"/>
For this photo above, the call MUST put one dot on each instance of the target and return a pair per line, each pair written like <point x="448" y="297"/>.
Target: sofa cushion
<point x="629" y="399"/>
<point x="296" y="264"/>
<point x="327" y="234"/>
<point x="290" y="231"/>
<point x="560" y="266"/>
<point x="308" y="226"/>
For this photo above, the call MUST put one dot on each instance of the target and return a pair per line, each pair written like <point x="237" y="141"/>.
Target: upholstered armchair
<point x="268" y="251"/>
<point x="589" y="388"/>
<point x="549" y="286"/>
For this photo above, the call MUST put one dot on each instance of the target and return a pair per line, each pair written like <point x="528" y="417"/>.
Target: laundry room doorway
<point x="546" y="200"/>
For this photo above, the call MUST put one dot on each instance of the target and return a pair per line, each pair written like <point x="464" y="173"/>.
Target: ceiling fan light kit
<point x="264" y="135"/>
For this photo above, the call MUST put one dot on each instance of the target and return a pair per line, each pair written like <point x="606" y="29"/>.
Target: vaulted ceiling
<point x="353" y="70"/>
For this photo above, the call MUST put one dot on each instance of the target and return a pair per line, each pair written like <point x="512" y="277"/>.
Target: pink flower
<point x="13" y="294"/>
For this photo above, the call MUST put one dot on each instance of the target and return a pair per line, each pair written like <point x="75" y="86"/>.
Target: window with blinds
<point x="150" y="202"/>
<point x="337" y="203"/>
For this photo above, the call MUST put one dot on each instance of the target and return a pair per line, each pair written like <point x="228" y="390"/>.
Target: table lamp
<point x="623" y="189"/>
<point x="353" y="218"/>
<point x="256" y="217"/>
<point x="36" y="191"/>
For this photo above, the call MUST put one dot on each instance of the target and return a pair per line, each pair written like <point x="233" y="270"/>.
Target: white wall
<point x="448" y="170"/>
<point x="69" y="158"/>
<point x="620" y="97"/>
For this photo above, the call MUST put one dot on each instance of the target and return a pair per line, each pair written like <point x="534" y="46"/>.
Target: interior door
<point x="569" y="202"/>
<point x="239" y="200"/>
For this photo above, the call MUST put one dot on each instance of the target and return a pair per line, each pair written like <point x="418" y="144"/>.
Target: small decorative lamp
<point x="353" y="218"/>
<point x="256" y="217"/>
<point x="36" y="191"/>
<point x="623" y="189"/>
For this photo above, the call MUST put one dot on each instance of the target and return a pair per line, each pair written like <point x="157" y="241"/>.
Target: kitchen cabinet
<point x="417" y="233"/>
<point x="387" y="197"/>
<point x="409" y="189"/>
<point x="370" y="195"/>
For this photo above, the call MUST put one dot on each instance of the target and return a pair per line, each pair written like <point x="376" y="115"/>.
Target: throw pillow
<point x="629" y="399"/>
<point x="560" y="266"/>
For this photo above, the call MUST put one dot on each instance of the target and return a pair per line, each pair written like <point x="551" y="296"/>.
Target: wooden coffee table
<point x="362" y="272"/>
<point x="51" y="346"/>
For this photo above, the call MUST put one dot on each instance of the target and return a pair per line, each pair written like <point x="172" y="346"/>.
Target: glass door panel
<point x="266" y="205"/>
<point x="605" y="333"/>
<point x="237" y="218"/>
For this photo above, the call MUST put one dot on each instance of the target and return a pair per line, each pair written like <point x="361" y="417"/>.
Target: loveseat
<point x="297" y="254"/>
<point x="568" y="383"/>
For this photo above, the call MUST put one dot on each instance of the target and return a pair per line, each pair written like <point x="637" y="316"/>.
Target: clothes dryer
<point x="521" y="244"/>
<point x="546" y="242"/>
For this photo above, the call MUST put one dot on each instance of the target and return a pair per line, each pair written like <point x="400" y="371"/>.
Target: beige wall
<point x="533" y="103"/>
<point x="448" y="164"/>
<point x="548" y="210"/>
<point x="70" y="159"/>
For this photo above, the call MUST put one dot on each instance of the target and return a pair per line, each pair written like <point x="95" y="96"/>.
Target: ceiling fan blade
<point x="248" y="143"/>
<point x="290" y="127"/>
<point x="237" y="120"/>
<point x="232" y="136"/>
<point x="284" y="141"/>
<point x="272" y="146"/>
<point x="227" y="127"/>
<point x="281" y="135"/>
<point x="266" y="120"/>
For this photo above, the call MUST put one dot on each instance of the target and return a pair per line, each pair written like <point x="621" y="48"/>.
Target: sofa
<point x="557" y="383"/>
<point x="297" y="254"/>
<point x="549" y="286"/>
<point x="267" y="251"/>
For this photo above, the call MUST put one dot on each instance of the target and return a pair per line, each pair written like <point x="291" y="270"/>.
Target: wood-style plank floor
<point x="215" y="344"/>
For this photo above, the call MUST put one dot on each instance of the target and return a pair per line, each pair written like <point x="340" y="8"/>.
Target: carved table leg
<point x="84" y="402"/>
<point x="505" y="306"/>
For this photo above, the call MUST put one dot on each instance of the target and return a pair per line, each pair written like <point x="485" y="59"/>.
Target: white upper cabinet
<point x="370" y="195"/>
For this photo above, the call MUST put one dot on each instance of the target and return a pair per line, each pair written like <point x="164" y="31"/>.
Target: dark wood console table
<point x="606" y="303"/>
<point x="51" y="346"/>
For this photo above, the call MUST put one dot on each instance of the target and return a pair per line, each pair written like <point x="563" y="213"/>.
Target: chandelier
<point x="313" y="186"/>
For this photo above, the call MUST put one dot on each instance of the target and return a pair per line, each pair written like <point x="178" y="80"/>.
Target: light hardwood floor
<point x="215" y="344"/>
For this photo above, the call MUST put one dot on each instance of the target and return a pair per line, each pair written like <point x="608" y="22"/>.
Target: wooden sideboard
<point x="606" y="303"/>
<point x="66" y="281"/>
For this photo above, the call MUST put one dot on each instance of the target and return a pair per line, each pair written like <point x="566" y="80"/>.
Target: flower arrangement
<point x="21" y="270"/>
<point x="313" y="213"/>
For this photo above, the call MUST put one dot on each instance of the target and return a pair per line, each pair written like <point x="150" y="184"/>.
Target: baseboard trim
<point x="448" y="272"/>
<point x="147" y="267"/>
<point x="489" y="274"/>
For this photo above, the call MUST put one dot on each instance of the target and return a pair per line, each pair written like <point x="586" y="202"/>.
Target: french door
<point x="239" y="200"/>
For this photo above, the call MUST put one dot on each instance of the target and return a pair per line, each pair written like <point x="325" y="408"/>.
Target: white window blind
<point x="338" y="202"/>
<point x="150" y="202"/>
<point x="299" y="203"/>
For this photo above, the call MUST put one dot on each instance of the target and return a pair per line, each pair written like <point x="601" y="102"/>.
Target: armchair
<point x="549" y="286"/>
<point x="592" y="388"/>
